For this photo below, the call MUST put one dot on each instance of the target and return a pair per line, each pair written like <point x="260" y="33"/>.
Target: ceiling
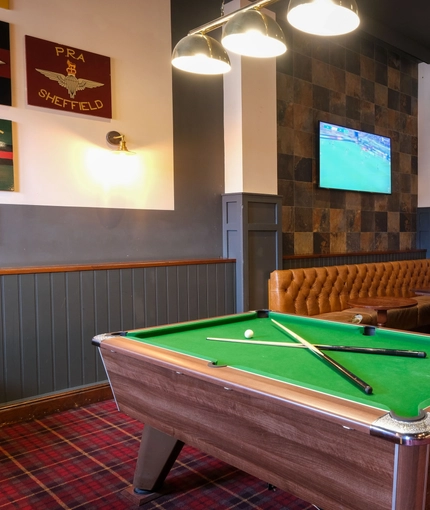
<point x="406" y="22"/>
<point x="400" y="23"/>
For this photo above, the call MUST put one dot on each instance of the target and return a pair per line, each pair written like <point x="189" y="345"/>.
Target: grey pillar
<point x="252" y="234"/>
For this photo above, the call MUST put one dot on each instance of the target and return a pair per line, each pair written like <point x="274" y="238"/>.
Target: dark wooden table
<point x="422" y="292"/>
<point x="382" y="305"/>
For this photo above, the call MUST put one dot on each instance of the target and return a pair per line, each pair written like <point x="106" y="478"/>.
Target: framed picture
<point x="67" y="79"/>
<point x="7" y="182"/>
<point x="5" y="75"/>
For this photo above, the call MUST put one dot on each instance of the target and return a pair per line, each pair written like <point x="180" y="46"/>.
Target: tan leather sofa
<point x="324" y="292"/>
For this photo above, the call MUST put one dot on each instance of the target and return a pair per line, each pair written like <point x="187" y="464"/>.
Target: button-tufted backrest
<point x="315" y="290"/>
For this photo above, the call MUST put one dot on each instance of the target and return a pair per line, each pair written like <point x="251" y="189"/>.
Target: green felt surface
<point x="399" y="384"/>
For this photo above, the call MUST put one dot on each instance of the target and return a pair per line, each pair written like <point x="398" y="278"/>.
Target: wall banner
<point x="5" y="80"/>
<point x="68" y="79"/>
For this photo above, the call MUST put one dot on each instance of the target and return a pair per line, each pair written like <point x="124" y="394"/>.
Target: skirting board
<point x="42" y="406"/>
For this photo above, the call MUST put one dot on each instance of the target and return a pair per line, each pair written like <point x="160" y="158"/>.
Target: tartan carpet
<point x="83" y="458"/>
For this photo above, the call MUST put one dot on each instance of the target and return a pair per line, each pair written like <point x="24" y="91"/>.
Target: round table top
<point x="382" y="303"/>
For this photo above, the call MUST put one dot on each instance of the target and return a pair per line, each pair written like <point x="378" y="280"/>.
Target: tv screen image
<point x="353" y="160"/>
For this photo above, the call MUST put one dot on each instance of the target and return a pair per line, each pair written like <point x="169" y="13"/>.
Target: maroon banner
<point x="5" y="80"/>
<point x="68" y="79"/>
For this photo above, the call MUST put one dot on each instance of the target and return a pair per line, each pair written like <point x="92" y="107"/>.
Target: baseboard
<point x="39" y="407"/>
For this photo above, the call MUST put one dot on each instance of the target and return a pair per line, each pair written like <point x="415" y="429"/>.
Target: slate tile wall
<point x="358" y="82"/>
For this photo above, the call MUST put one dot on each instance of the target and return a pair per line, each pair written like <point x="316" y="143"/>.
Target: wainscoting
<point x="50" y="314"/>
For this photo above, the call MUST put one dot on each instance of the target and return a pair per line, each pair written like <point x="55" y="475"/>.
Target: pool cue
<point x="341" y="348"/>
<point x="344" y="371"/>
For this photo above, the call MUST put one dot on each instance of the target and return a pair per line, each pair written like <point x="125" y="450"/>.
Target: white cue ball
<point x="249" y="333"/>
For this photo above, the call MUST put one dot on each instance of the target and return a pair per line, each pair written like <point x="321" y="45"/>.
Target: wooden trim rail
<point x="107" y="266"/>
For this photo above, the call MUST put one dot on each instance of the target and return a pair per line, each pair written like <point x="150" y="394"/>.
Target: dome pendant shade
<point x="253" y="34"/>
<point x="323" y="17"/>
<point x="200" y="54"/>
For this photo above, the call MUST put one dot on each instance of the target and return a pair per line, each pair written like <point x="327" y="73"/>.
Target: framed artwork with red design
<point x="68" y="79"/>
<point x="7" y="181"/>
<point x="5" y="77"/>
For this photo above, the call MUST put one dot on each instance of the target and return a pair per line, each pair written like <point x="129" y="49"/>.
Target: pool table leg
<point x="157" y="454"/>
<point x="410" y="480"/>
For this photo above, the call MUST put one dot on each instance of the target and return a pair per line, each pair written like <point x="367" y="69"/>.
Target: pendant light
<point x="323" y="17"/>
<point x="251" y="33"/>
<point x="254" y="34"/>
<point x="199" y="53"/>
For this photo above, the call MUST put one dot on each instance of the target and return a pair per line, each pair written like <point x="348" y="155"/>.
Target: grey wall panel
<point x="213" y="294"/>
<point x="230" y="287"/>
<point x="192" y="295"/>
<point x="101" y="301"/>
<point x="28" y="343"/>
<point x="11" y="329"/>
<point x="44" y="335"/>
<point x="59" y="330"/>
<point x="182" y="297"/>
<point x="87" y="302"/>
<point x="74" y="329"/>
<point x="150" y="306"/>
<point x="138" y="297"/>
<point x="262" y="246"/>
<point x="202" y="291"/>
<point x="172" y="295"/>
<point x="252" y="234"/>
<point x="126" y="297"/>
<point x="48" y="319"/>
<point x="114" y="300"/>
<point x="161" y="293"/>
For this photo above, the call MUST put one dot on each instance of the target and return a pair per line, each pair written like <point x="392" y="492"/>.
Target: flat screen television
<point x="353" y="160"/>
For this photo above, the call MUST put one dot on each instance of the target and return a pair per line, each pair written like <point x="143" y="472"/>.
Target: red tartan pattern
<point x="84" y="458"/>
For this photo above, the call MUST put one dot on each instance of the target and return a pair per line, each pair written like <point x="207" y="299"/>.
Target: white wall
<point x="423" y="135"/>
<point x="63" y="158"/>
<point x="250" y="127"/>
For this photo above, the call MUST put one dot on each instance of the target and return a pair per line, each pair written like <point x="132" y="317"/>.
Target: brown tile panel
<point x="363" y="84"/>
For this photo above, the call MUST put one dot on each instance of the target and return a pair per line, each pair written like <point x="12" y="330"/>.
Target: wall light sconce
<point x="249" y="32"/>
<point x="116" y="139"/>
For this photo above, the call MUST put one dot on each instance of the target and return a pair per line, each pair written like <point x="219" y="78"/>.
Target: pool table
<point x="280" y="413"/>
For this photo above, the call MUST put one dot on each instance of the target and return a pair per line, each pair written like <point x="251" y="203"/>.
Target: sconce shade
<point x="323" y="17"/>
<point x="199" y="53"/>
<point x="254" y="34"/>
